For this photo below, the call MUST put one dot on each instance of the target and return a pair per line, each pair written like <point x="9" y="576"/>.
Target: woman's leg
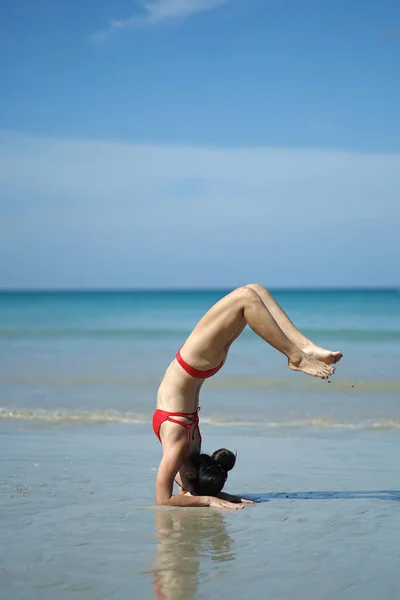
<point x="221" y="323"/>
<point x="291" y="330"/>
<point x="259" y="318"/>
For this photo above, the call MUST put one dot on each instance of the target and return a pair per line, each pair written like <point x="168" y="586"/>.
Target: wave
<point x="66" y="416"/>
<point x="221" y="383"/>
<point x="351" y="335"/>
<point x="103" y="417"/>
<point x="125" y="333"/>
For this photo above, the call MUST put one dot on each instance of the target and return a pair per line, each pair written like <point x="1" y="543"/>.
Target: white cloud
<point x="155" y="12"/>
<point x="102" y="213"/>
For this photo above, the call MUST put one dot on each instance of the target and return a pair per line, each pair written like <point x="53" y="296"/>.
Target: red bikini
<point x="195" y="372"/>
<point x="163" y="415"/>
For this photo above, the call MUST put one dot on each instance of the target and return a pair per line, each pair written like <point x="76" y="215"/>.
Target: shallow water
<point x="78" y="518"/>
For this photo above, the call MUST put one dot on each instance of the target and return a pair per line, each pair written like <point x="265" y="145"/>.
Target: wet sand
<point x="78" y="517"/>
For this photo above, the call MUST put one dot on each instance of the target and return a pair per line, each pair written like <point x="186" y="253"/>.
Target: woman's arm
<point x="169" y="466"/>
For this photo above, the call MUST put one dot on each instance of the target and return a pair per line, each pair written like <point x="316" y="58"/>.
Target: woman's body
<point x="206" y="350"/>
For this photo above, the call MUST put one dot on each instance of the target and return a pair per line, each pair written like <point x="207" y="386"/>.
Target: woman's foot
<point x="326" y="356"/>
<point x="311" y="366"/>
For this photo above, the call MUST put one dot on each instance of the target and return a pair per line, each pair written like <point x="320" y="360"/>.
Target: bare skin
<point x="205" y="348"/>
<point x="224" y="322"/>
<point x="327" y="356"/>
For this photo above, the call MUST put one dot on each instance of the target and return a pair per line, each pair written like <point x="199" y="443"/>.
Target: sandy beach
<point x="78" y="517"/>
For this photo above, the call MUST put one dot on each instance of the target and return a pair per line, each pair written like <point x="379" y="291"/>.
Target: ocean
<point x="99" y="357"/>
<point x="79" y="373"/>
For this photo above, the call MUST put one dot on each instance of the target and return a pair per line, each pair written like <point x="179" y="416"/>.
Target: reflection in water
<point x="189" y="540"/>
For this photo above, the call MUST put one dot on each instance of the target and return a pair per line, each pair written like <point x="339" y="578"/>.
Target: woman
<point x="175" y="422"/>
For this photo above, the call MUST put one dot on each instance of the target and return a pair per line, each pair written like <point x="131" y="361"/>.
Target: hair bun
<point x="225" y="458"/>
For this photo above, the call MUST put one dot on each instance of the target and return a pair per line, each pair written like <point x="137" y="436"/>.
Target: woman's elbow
<point x="163" y="500"/>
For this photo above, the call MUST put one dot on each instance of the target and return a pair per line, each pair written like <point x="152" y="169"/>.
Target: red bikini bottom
<point x="163" y="415"/>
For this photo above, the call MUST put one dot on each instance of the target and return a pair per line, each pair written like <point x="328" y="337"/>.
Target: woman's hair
<point x="211" y="471"/>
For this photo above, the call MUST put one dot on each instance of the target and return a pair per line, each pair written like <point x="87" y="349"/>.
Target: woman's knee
<point x="246" y="295"/>
<point x="257" y="287"/>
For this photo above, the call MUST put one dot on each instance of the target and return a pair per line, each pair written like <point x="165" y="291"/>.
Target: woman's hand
<point x="220" y="503"/>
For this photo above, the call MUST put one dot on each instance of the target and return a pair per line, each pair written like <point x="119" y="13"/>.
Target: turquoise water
<point x="99" y="356"/>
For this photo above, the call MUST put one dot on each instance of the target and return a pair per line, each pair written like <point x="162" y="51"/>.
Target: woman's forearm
<point x="185" y="500"/>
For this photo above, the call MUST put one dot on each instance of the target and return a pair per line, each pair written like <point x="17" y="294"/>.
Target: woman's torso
<point x="178" y="391"/>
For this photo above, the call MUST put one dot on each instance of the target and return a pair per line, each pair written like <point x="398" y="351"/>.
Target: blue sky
<point x="180" y="143"/>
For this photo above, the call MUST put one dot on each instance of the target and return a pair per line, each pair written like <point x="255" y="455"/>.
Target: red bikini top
<point x="196" y="372"/>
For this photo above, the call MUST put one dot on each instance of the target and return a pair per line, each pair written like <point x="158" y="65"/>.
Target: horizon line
<point x="127" y="290"/>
